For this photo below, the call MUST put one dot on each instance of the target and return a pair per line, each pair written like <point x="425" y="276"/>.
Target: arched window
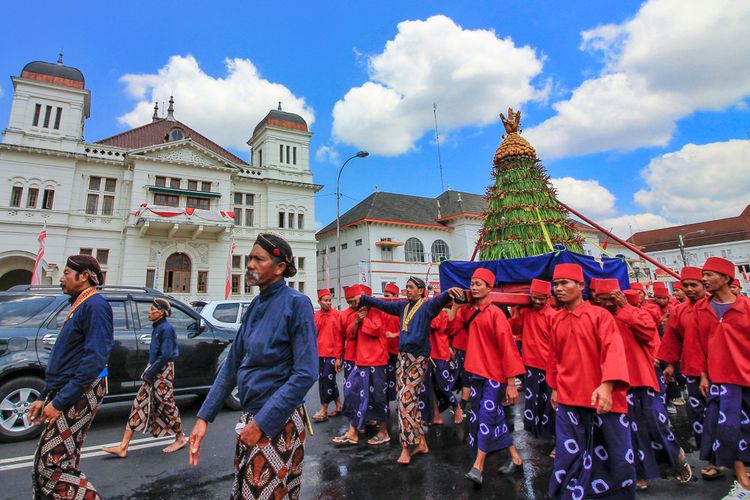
<point x="176" y="134"/>
<point x="177" y="274"/>
<point x="440" y="251"/>
<point x="414" y="250"/>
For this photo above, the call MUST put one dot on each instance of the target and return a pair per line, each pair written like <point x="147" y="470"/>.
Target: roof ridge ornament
<point x="170" y="110"/>
<point x="60" y="58"/>
<point x="279" y="108"/>
<point x="156" y="112"/>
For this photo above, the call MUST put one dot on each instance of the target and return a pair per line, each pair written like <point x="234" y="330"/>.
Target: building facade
<point x="160" y="205"/>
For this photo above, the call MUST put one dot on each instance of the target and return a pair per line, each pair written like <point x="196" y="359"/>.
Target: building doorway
<point x="177" y="273"/>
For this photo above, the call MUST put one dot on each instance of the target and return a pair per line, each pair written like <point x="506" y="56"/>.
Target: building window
<point x="287" y="154"/>
<point x="206" y="187"/>
<point x="193" y="185"/>
<point x="291" y="220"/>
<point x="301" y="286"/>
<point x="294" y="155"/>
<point x="160" y="181"/>
<point x="344" y="246"/>
<point x="236" y="261"/>
<point x="47" y="113"/>
<point x="386" y="254"/>
<point x="244" y="204"/>
<point x="281" y="219"/>
<point x="414" y="250"/>
<point x="49" y="198"/>
<point x="725" y="254"/>
<point x="300" y="263"/>
<point x="300" y="221"/>
<point x="202" y="281"/>
<point x="108" y="205"/>
<point x="32" y="197"/>
<point x="440" y="251"/>
<point x="177" y="273"/>
<point x="174" y="183"/>
<point x="110" y="185"/>
<point x="260" y="157"/>
<point x="95" y="183"/>
<point x="322" y="252"/>
<point x="150" y="275"/>
<point x="15" y="196"/>
<point x="248" y="288"/>
<point x="176" y="134"/>
<point x="102" y="255"/>
<point x="37" y="112"/>
<point x="332" y="249"/>
<point x="58" y="117"/>
<point x="166" y="200"/>
<point x="92" y="201"/>
<point x="358" y="242"/>
<point x="235" y="283"/>
<point x="86" y="251"/>
<point x="201" y="203"/>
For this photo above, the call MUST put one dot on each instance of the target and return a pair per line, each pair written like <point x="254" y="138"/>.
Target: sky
<point x="639" y="111"/>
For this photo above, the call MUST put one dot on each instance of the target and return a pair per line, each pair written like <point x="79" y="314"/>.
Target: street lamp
<point x="360" y="154"/>
<point x="681" y="243"/>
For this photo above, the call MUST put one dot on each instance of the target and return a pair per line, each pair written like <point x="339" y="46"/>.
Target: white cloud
<point x="225" y="109"/>
<point x="586" y="196"/>
<point x="327" y="154"/>
<point x="698" y="182"/>
<point x="470" y="74"/>
<point x="625" y="225"/>
<point x="672" y="59"/>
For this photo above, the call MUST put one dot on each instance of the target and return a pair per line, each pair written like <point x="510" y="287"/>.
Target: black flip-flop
<point x="711" y="477"/>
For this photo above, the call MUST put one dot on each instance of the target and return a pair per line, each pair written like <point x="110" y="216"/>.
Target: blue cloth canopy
<point x="523" y="270"/>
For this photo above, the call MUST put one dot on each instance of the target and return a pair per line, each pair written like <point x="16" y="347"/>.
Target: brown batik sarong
<point x="409" y="380"/>
<point x="154" y="409"/>
<point x="56" y="474"/>
<point x="271" y="468"/>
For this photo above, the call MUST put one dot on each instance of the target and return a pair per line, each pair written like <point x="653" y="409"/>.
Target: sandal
<point x="683" y="472"/>
<point x="378" y="440"/>
<point x="712" y="472"/>
<point x="320" y="417"/>
<point x="335" y="413"/>
<point x="344" y="440"/>
<point x="641" y="487"/>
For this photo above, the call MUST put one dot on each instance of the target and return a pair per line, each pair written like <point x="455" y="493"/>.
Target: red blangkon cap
<point x="691" y="273"/>
<point x="677" y="284"/>
<point x="541" y="286"/>
<point x="719" y="265"/>
<point x="351" y="291"/>
<point x="392" y="288"/>
<point x="365" y="290"/>
<point x="323" y="292"/>
<point x="485" y="275"/>
<point x="660" y="289"/>
<point x="607" y="285"/>
<point x="569" y="272"/>
<point x="736" y="282"/>
<point x="634" y="298"/>
<point x="637" y="286"/>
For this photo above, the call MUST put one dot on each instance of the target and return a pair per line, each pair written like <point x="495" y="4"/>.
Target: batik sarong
<point x="461" y="377"/>
<point x="392" y="366"/>
<point x="347" y="367"/>
<point x="438" y="383"/>
<point x="365" y="395"/>
<point x="327" y="387"/>
<point x="273" y="467"/>
<point x="409" y="380"/>
<point x="538" y="415"/>
<point x="56" y="474"/>
<point x="593" y="455"/>
<point x="154" y="409"/>
<point x="653" y="441"/>
<point x="726" y="428"/>
<point x="488" y="430"/>
<point x="696" y="407"/>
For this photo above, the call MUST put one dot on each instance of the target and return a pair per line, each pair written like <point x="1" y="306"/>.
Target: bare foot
<point x="404" y="458"/>
<point x="421" y="449"/>
<point x="459" y="416"/>
<point x="178" y="444"/>
<point x="117" y="451"/>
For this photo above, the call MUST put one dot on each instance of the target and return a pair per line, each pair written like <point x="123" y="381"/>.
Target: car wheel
<point x="233" y="400"/>
<point x="15" y="398"/>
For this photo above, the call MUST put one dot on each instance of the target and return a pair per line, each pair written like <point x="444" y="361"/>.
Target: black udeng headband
<point x="417" y="281"/>
<point x="279" y="248"/>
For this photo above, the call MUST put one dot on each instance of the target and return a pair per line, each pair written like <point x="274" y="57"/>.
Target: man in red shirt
<point x="588" y="372"/>
<point x="724" y="323"/>
<point x="367" y="385"/>
<point x="736" y="287"/>
<point x="392" y="330"/>
<point x="535" y="322"/>
<point x="649" y="306"/>
<point x="437" y="390"/>
<point x="678" y="292"/>
<point x="493" y="362"/>
<point x="347" y="317"/>
<point x="330" y="349"/>
<point x="653" y="441"/>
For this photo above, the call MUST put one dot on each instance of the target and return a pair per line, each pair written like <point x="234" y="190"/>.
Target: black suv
<point x="31" y="318"/>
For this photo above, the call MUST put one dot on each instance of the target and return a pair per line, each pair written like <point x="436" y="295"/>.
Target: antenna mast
<point x="437" y="142"/>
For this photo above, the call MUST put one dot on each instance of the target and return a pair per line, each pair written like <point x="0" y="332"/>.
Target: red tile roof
<point x="155" y="133"/>
<point x="715" y="231"/>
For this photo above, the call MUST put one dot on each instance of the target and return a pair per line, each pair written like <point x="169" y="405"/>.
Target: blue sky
<point x="638" y="110"/>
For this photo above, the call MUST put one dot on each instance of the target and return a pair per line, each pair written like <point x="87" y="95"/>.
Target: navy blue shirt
<point x="416" y="341"/>
<point x="163" y="347"/>
<point x="273" y="360"/>
<point x="80" y="353"/>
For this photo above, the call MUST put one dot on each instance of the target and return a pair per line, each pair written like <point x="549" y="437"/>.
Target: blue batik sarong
<point x="653" y="441"/>
<point x="438" y="383"/>
<point x="461" y="377"/>
<point x="327" y="388"/>
<point x="392" y="366"/>
<point x="347" y="367"/>
<point x="538" y="415"/>
<point x="488" y="430"/>
<point x="697" y="408"/>
<point x="726" y="429"/>
<point x="593" y="455"/>
<point x="365" y="395"/>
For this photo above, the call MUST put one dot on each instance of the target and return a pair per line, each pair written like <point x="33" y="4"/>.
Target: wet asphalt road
<point x="331" y="472"/>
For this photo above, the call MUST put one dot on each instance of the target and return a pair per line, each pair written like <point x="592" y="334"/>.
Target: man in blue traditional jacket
<point x="273" y="363"/>
<point x="75" y="384"/>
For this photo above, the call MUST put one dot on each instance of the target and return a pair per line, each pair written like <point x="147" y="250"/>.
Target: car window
<point x="141" y="309"/>
<point x="181" y="320"/>
<point x="18" y="309"/>
<point x="226" y="313"/>
<point x="119" y="316"/>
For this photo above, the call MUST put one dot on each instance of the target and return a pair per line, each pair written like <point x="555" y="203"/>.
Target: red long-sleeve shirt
<point x="330" y="334"/>
<point x="586" y="349"/>
<point x="350" y="348"/>
<point x="439" y="341"/>
<point x="372" y="345"/>
<point x="654" y="310"/>
<point x="534" y="327"/>
<point x="491" y="352"/>
<point x="641" y="339"/>
<point x="393" y="325"/>
<point x="681" y="341"/>
<point x="457" y="329"/>
<point x="726" y="341"/>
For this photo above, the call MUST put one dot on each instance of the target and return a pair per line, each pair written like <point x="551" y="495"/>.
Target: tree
<point x="522" y="204"/>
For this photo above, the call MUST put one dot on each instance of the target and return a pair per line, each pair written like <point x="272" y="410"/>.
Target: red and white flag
<point x="228" y="284"/>
<point x="36" y="275"/>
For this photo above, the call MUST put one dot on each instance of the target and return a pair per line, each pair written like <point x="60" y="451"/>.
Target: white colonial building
<point x="159" y="205"/>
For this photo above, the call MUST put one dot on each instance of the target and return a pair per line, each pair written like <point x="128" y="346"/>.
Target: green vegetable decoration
<point x="523" y="217"/>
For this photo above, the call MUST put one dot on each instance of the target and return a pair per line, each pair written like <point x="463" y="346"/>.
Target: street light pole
<point x="681" y="244"/>
<point x="360" y="154"/>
